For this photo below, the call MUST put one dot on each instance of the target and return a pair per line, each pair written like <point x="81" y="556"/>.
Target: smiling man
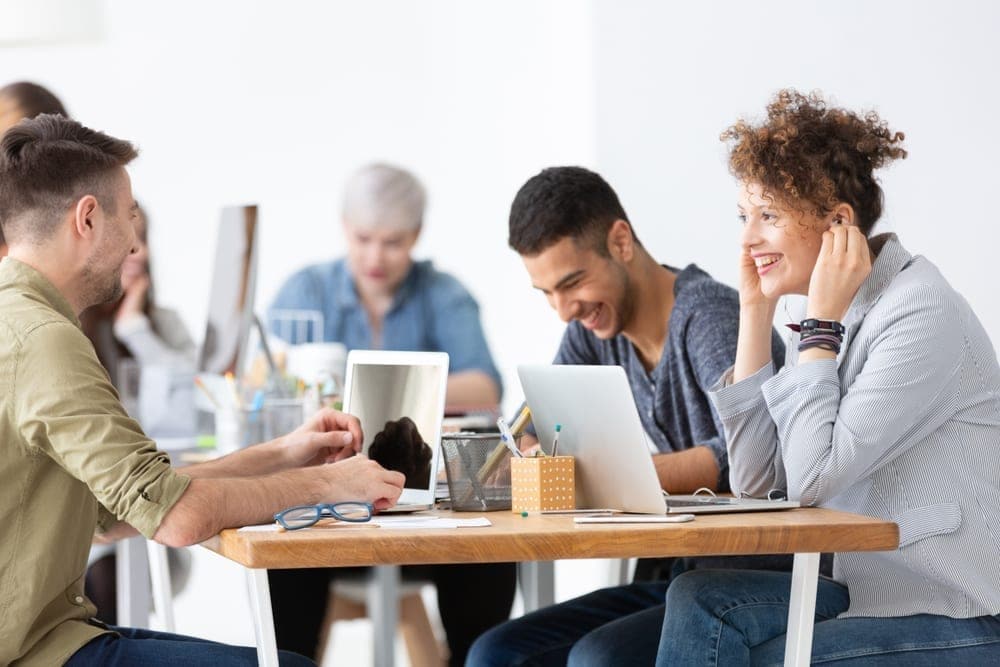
<point x="674" y="332"/>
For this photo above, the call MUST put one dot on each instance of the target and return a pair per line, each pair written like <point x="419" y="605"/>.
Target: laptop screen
<point x="400" y="406"/>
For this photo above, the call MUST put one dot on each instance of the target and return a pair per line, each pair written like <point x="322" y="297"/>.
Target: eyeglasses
<point x="303" y="516"/>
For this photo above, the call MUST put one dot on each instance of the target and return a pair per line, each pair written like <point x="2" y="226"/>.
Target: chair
<point x="348" y="601"/>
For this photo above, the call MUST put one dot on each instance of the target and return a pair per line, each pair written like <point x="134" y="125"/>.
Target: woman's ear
<point x="843" y="214"/>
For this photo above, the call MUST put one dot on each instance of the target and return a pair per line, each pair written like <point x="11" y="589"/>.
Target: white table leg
<point x="538" y="583"/>
<point x="159" y="576"/>
<point x="132" y="574"/>
<point x="383" y="610"/>
<point x="801" y="610"/>
<point x="263" y="621"/>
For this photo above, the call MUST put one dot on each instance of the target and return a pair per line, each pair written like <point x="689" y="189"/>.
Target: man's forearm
<point x="687" y="470"/>
<point x="212" y="504"/>
<point x="263" y="459"/>
<point x="473" y="389"/>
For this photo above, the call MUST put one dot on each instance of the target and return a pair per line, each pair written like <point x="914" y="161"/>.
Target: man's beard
<point x="102" y="289"/>
<point x="625" y="307"/>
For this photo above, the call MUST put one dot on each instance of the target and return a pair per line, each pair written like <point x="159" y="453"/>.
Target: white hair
<point x="384" y="196"/>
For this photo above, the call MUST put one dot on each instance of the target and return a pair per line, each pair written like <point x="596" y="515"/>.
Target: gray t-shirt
<point x="673" y="399"/>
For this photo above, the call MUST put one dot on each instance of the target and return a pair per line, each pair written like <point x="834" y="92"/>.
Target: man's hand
<point x="843" y="264"/>
<point x="327" y="437"/>
<point x="360" y="478"/>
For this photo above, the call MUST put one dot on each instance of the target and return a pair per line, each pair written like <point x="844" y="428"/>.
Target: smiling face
<point x="582" y="285"/>
<point x="379" y="258"/>
<point x="784" y="242"/>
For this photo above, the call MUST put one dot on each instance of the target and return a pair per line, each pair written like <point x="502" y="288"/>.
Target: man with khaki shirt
<point x="71" y="460"/>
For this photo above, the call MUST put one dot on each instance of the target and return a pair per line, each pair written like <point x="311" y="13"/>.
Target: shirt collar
<point x="15" y="272"/>
<point x="891" y="259"/>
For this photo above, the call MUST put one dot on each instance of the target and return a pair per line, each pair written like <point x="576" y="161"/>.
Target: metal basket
<point x="478" y="469"/>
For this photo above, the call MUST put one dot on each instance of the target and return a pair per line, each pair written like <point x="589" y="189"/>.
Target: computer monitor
<point x="231" y="299"/>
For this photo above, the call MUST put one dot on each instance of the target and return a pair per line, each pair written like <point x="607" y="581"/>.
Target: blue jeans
<point x="727" y="617"/>
<point x="132" y="646"/>
<point x="612" y="626"/>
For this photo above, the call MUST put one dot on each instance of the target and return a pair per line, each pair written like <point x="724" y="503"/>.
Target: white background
<point x="275" y="103"/>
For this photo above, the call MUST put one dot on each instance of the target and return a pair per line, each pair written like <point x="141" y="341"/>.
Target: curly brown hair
<point x="812" y="157"/>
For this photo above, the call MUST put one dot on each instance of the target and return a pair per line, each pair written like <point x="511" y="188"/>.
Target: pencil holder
<point x="542" y="483"/>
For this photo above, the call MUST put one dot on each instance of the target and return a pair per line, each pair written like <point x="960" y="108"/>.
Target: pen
<point x="507" y="437"/>
<point x="555" y="440"/>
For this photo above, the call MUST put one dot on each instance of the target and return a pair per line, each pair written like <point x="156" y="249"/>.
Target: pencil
<point x="521" y="421"/>
<point x="231" y="381"/>
<point x="211" y="397"/>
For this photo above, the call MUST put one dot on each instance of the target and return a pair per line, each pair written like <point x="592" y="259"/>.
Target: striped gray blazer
<point x="904" y="426"/>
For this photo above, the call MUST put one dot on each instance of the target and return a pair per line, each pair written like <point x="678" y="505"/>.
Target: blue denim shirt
<point x="431" y="312"/>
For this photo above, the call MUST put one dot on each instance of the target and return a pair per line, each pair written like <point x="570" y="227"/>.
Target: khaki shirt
<point x="68" y="450"/>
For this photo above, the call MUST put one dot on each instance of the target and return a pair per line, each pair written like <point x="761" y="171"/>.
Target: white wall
<point x="671" y="76"/>
<point x="276" y="103"/>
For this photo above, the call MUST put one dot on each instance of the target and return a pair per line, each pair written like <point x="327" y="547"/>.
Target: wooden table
<point x="804" y="532"/>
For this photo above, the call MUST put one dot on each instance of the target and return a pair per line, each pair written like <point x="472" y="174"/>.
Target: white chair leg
<point x="159" y="576"/>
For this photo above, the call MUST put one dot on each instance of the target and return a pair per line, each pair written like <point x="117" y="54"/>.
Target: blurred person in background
<point x="379" y="298"/>
<point x="24" y="100"/>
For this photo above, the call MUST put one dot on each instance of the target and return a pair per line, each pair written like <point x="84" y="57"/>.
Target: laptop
<point x="600" y="426"/>
<point x="399" y="399"/>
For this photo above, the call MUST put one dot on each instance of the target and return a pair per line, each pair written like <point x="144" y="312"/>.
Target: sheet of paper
<point x="398" y="522"/>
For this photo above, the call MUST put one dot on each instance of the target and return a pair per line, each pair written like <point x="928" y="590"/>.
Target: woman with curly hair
<point x="888" y="405"/>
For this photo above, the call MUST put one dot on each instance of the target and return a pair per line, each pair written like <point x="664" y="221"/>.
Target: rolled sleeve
<point x="67" y="408"/>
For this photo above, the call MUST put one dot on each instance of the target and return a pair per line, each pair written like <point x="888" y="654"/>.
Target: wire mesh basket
<point x="478" y="470"/>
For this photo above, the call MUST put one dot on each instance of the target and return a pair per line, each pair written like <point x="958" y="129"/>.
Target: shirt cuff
<point x="155" y="500"/>
<point x="791" y="381"/>
<point x="731" y="398"/>
<point x="130" y="324"/>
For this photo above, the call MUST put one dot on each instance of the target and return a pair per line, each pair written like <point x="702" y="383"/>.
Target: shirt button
<point x="78" y="599"/>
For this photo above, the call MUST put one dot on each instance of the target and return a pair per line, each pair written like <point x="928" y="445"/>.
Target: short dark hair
<point x="46" y="164"/>
<point x="561" y="202"/>
<point x="32" y="99"/>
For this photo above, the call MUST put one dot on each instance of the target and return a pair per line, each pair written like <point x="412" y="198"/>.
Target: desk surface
<point x="516" y="538"/>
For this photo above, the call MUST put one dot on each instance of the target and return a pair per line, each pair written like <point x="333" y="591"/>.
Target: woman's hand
<point x="328" y="436"/>
<point x="751" y="295"/>
<point x="843" y="264"/>
<point x="134" y="301"/>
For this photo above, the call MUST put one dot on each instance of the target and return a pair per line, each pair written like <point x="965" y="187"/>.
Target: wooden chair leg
<point x="421" y="644"/>
<point x="338" y="608"/>
<point x="418" y="635"/>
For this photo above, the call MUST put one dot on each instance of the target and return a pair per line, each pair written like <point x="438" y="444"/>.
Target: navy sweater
<point x="701" y="345"/>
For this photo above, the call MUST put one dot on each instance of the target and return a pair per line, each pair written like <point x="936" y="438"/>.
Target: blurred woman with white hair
<point x="379" y="297"/>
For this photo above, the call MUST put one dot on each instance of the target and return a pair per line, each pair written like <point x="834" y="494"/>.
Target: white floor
<point x="213" y="605"/>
